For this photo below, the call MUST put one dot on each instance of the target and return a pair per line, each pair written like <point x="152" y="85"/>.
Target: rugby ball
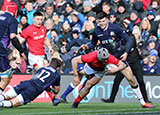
<point x="108" y="66"/>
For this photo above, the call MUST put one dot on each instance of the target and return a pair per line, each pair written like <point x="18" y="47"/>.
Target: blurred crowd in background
<point x="70" y="23"/>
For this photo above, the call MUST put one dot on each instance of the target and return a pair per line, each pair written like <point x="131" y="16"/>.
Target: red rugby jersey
<point x="35" y="39"/>
<point x="91" y="59"/>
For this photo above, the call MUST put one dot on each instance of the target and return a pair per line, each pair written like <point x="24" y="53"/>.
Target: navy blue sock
<point x="68" y="90"/>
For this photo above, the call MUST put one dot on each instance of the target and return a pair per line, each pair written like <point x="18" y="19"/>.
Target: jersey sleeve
<point x="13" y="26"/>
<point x="122" y="34"/>
<point x="25" y="33"/>
<point x="57" y="83"/>
<point x="112" y="60"/>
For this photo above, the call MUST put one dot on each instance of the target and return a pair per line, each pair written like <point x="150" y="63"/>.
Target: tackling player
<point x="8" y="31"/>
<point x="45" y="78"/>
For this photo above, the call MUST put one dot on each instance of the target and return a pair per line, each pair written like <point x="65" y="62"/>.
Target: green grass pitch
<point x="84" y="109"/>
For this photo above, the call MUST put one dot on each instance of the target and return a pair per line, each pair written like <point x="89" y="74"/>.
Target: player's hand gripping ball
<point x="110" y="68"/>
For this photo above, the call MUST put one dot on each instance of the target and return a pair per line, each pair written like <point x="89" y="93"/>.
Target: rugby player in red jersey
<point x="35" y="36"/>
<point x="95" y="63"/>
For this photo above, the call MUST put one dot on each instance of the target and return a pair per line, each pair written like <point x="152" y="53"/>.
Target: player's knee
<point x="76" y="82"/>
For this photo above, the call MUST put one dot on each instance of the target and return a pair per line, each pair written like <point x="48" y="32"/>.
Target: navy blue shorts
<point x="27" y="90"/>
<point x="4" y="63"/>
<point x="80" y="67"/>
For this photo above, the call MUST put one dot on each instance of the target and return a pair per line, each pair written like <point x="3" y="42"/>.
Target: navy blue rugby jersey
<point x="45" y="77"/>
<point x="111" y="39"/>
<point x="8" y="25"/>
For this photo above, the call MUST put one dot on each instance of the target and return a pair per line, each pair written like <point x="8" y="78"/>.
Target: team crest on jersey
<point x="112" y="33"/>
<point x="89" y="96"/>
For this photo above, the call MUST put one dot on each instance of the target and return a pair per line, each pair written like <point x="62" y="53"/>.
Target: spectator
<point x="92" y="17"/>
<point x="59" y="6"/>
<point x="155" y="6"/>
<point x="54" y="36"/>
<point x="39" y="5"/>
<point x="137" y="34"/>
<point x="78" y="5"/>
<point x="23" y="22"/>
<point x="87" y="27"/>
<point x="153" y="64"/>
<point x="66" y="31"/>
<point x="138" y="6"/>
<point x="49" y="11"/>
<point x="112" y="17"/>
<point x="121" y="12"/>
<point x="106" y="8"/>
<point x="86" y="8"/>
<point x="153" y="42"/>
<point x="28" y="10"/>
<point x="151" y="17"/>
<point x="145" y="29"/>
<point x="66" y="57"/>
<point x="48" y="24"/>
<point x="97" y="5"/>
<point x="134" y="19"/>
<point x="68" y="11"/>
<point x="22" y="3"/>
<point x="78" y="19"/>
<point x="57" y="22"/>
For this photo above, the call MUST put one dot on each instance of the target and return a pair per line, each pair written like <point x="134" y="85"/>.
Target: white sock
<point x="2" y="97"/>
<point x="11" y="93"/>
<point x="1" y="91"/>
<point x="139" y="95"/>
<point x="71" y="84"/>
<point x="7" y="104"/>
<point x="1" y="104"/>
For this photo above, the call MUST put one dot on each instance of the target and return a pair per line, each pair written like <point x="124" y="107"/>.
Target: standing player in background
<point x="45" y="78"/>
<point x="8" y="31"/>
<point x="111" y="36"/>
<point x="35" y="36"/>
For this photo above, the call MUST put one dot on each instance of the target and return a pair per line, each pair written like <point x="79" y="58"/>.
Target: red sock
<point x="79" y="98"/>
<point x="50" y="95"/>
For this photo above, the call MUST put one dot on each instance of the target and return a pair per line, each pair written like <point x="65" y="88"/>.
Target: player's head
<point x="102" y="20"/>
<point x="102" y="54"/>
<point x="12" y="8"/>
<point x="56" y="63"/>
<point x="37" y="18"/>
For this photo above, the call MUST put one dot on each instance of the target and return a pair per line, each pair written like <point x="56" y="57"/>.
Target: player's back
<point x="8" y="24"/>
<point x="46" y="76"/>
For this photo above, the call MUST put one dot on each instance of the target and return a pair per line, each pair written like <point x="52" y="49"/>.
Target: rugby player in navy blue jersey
<point x="111" y="36"/>
<point x="45" y="78"/>
<point x="8" y="31"/>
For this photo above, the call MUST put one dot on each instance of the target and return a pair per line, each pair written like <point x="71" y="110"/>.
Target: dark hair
<point x="54" y="30"/>
<point x="24" y="15"/>
<point x="101" y="15"/>
<point x="29" y="1"/>
<point x="37" y="13"/>
<point x="56" y="62"/>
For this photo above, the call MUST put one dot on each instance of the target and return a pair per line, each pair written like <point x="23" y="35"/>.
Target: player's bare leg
<point x="127" y="72"/>
<point x="6" y="77"/>
<point x="90" y="83"/>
